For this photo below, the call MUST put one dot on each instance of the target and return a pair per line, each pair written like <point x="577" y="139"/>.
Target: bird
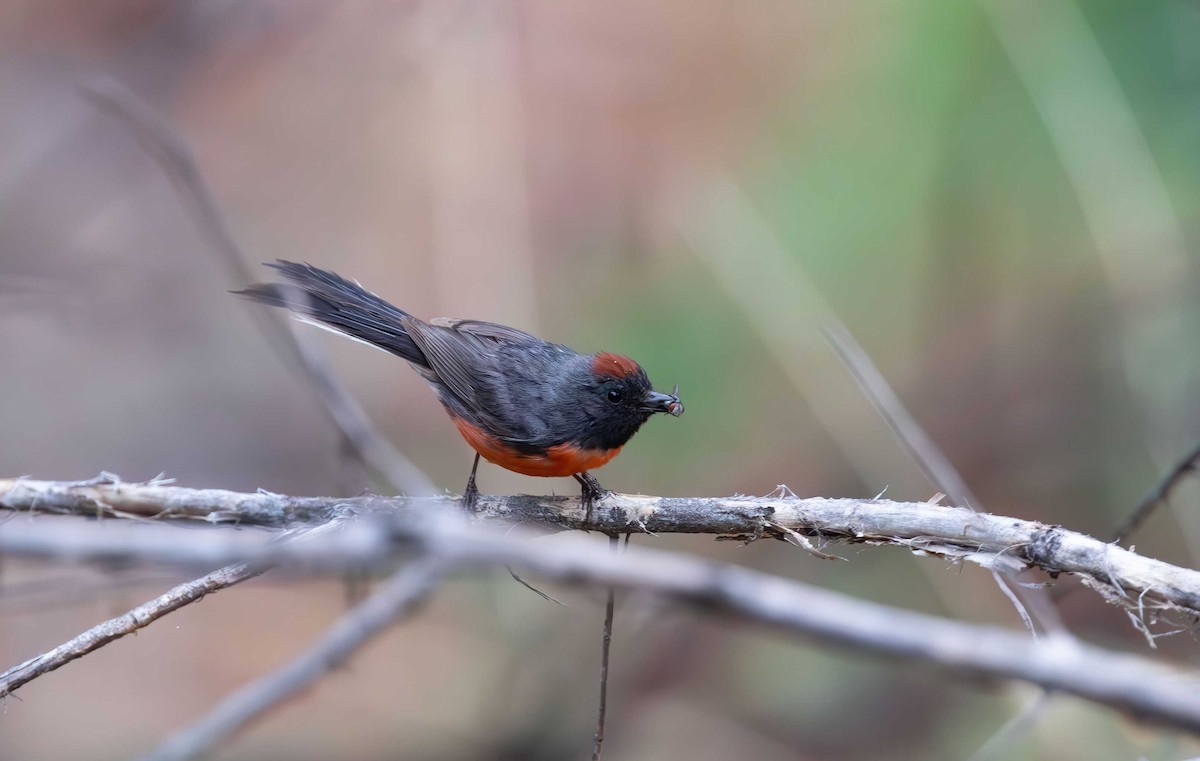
<point x="528" y="405"/>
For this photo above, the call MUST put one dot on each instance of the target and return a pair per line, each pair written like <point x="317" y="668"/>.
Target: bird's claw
<point x="471" y="493"/>
<point x="590" y="492"/>
<point x="470" y="496"/>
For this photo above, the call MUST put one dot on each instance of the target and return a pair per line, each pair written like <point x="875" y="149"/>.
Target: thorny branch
<point x="1138" y="583"/>
<point x="374" y="533"/>
<point x="1134" y="684"/>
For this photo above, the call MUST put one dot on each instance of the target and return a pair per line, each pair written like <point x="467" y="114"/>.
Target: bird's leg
<point x="590" y="491"/>
<point x="471" y="493"/>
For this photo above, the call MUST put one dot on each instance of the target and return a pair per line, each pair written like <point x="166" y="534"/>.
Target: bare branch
<point x="1145" y="689"/>
<point x="399" y="596"/>
<point x="109" y="496"/>
<point x="992" y="541"/>
<point x="102" y="634"/>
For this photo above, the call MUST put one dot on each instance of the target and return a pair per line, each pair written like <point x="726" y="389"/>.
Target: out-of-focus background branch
<point x="998" y="200"/>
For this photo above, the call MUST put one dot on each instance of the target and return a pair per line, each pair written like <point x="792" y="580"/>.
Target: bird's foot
<point x="471" y="493"/>
<point x="470" y="496"/>
<point x="590" y="492"/>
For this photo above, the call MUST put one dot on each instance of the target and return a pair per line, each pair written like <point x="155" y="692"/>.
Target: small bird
<point x="528" y="405"/>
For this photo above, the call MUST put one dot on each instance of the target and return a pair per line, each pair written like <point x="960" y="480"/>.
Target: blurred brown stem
<point x="166" y="146"/>
<point x="1156" y="496"/>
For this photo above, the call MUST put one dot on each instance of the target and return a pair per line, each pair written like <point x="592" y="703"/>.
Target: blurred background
<point x="998" y="199"/>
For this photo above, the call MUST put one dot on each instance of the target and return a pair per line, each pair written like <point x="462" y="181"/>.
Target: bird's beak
<point x="655" y="401"/>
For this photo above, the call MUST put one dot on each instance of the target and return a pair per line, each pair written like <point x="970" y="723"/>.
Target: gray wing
<point x="471" y="360"/>
<point x="500" y="334"/>
<point x="459" y="360"/>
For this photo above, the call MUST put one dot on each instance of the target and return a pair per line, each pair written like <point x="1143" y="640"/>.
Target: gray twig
<point x="1157" y="496"/>
<point x="927" y="454"/>
<point x="399" y="596"/>
<point x="605" y="650"/>
<point x="141" y="616"/>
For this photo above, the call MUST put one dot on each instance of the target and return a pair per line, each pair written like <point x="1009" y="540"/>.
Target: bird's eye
<point x="615" y="395"/>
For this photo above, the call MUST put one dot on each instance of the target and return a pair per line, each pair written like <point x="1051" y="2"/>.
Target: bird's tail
<point x="329" y="300"/>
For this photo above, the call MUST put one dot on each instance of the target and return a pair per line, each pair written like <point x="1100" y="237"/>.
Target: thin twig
<point x="1156" y="496"/>
<point x="928" y="455"/>
<point x="779" y="298"/>
<point x="535" y="590"/>
<point x="781" y="303"/>
<point x="399" y="596"/>
<point x="605" y="648"/>
<point x="167" y="147"/>
<point x="143" y="615"/>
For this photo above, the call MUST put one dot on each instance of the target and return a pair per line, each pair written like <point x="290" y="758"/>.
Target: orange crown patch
<point x="614" y="365"/>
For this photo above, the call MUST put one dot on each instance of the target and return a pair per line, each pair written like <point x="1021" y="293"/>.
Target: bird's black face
<point x="618" y="403"/>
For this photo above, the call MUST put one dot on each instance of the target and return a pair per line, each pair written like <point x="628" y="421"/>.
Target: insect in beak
<point x="655" y="401"/>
